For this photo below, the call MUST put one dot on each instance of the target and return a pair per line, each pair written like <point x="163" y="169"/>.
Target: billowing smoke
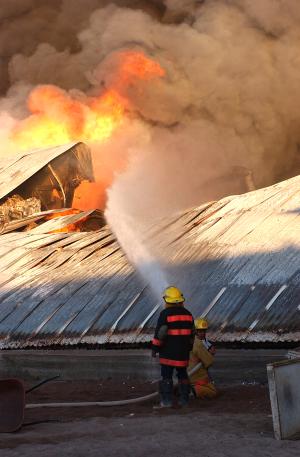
<point x="225" y="118"/>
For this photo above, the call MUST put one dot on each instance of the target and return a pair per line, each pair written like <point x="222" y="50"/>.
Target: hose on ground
<point x="103" y="403"/>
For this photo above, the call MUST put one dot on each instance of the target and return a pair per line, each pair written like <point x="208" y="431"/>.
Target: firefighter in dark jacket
<point x="173" y="340"/>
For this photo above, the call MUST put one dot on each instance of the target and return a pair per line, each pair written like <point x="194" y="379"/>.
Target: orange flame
<point x="63" y="213"/>
<point x="67" y="229"/>
<point x="58" y="118"/>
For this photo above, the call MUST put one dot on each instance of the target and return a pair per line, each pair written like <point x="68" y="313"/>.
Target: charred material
<point x="17" y="207"/>
<point x="54" y="185"/>
<point x="57" y="221"/>
<point x="49" y="175"/>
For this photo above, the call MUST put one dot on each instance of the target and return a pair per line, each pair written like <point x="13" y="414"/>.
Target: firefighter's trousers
<point x="205" y="389"/>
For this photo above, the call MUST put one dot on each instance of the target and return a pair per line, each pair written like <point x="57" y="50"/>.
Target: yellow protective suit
<point x="200" y="380"/>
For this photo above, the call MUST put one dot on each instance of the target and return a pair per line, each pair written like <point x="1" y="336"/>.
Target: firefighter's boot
<point x="166" y="393"/>
<point x="184" y="389"/>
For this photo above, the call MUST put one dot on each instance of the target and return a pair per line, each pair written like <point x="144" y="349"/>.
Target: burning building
<point x="41" y="180"/>
<point x="168" y="93"/>
<point x="236" y="259"/>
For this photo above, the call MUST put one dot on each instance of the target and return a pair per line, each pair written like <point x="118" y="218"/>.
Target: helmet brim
<point x="174" y="300"/>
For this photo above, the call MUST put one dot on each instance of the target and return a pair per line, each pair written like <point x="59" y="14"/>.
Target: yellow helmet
<point x="201" y="323"/>
<point x="173" y="295"/>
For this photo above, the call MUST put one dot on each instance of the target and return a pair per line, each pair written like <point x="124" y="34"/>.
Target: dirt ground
<point x="237" y="423"/>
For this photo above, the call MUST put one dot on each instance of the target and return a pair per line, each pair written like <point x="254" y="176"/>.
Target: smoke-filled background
<point x="224" y="119"/>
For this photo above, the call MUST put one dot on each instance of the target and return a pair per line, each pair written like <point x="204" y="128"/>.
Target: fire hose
<point x="105" y="403"/>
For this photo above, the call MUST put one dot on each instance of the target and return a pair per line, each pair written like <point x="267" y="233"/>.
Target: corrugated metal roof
<point x="17" y="168"/>
<point x="240" y="259"/>
<point x="64" y="221"/>
<point x="19" y="223"/>
<point x="237" y="261"/>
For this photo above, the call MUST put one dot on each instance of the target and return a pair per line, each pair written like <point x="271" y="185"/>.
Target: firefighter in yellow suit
<point x="203" y="351"/>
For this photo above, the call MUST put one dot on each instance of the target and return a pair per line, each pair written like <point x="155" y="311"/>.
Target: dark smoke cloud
<point x="25" y="25"/>
<point x="226" y="117"/>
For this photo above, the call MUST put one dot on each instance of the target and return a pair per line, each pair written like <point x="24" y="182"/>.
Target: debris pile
<point x="16" y="207"/>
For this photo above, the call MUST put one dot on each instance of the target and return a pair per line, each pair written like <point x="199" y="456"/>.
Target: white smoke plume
<point x="224" y="119"/>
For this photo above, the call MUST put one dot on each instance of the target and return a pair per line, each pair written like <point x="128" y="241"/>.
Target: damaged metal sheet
<point x="49" y="175"/>
<point x="70" y="220"/>
<point x="236" y="260"/>
<point x="29" y="220"/>
<point x="64" y="219"/>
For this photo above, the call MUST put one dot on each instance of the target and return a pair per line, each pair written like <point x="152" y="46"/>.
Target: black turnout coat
<point x="174" y="336"/>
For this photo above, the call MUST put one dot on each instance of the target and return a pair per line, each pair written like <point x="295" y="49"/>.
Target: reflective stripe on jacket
<point x="174" y="335"/>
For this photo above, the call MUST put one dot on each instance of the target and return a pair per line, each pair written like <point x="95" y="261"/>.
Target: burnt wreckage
<point x="42" y="180"/>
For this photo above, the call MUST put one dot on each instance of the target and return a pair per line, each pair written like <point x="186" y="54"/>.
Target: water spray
<point x="136" y="249"/>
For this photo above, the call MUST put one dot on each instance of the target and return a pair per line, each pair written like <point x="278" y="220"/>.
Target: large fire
<point x="58" y="118"/>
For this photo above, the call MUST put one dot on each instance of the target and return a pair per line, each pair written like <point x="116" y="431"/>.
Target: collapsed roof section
<point x="50" y="175"/>
<point x="237" y="261"/>
<point x="57" y="220"/>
